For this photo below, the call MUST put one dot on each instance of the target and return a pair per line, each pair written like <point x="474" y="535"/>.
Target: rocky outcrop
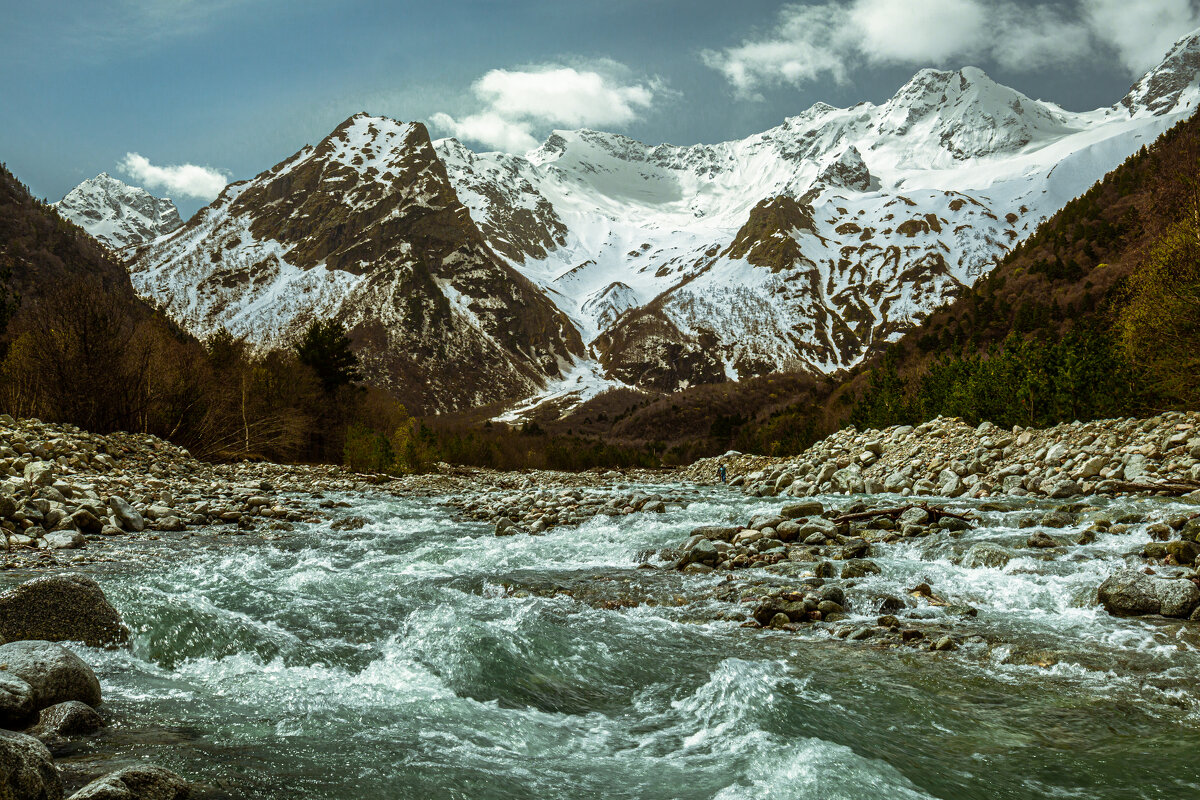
<point x="61" y="608"/>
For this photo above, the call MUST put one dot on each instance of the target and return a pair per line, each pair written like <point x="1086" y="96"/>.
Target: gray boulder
<point x="65" y="540"/>
<point x="61" y="608"/>
<point x="27" y="769"/>
<point x="55" y="674"/>
<point x="986" y="554"/>
<point x="1132" y="593"/>
<point x="136" y="783"/>
<point x="797" y="510"/>
<point x="39" y="473"/>
<point x="126" y="515"/>
<point x="71" y="718"/>
<point x="16" y="701"/>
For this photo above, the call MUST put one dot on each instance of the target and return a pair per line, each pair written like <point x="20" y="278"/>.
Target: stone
<point x="797" y="510"/>
<point x="16" y="701"/>
<point x="146" y="782"/>
<point x="169" y="524"/>
<point x="71" y="718"/>
<point x="356" y="523"/>
<point x="945" y="644"/>
<point x="64" y="540"/>
<point x="1183" y="551"/>
<point x="53" y="672"/>
<point x="86" y="521"/>
<point x="1041" y="539"/>
<point x="61" y="608"/>
<point x="1133" y="593"/>
<point x="701" y="552"/>
<point x="125" y="514"/>
<point x="27" y="769"/>
<point x="39" y="473"/>
<point x="986" y="555"/>
<point x="859" y="568"/>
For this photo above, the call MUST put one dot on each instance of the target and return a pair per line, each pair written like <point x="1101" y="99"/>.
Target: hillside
<point x="42" y="250"/>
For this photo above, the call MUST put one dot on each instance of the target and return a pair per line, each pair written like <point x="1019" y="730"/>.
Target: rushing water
<point x="420" y="658"/>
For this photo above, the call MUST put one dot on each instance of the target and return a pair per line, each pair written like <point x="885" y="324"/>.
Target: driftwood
<point x="933" y="511"/>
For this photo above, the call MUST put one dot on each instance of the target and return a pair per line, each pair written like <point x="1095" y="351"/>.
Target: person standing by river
<point x="721" y="471"/>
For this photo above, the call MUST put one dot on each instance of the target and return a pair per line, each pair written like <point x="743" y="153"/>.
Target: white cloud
<point x="518" y="102"/>
<point x="832" y="38"/>
<point x="182" y="180"/>
<point x="1141" y="31"/>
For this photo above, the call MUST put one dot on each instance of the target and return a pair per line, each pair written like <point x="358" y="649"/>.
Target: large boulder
<point x="61" y="608"/>
<point x="136" y="783"/>
<point x="1130" y="593"/>
<point x="26" y="769"/>
<point x="55" y="674"/>
<point x="71" y="718"/>
<point x="986" y="554"/>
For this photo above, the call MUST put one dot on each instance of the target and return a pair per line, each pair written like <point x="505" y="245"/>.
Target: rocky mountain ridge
<point x="596" y="260"/>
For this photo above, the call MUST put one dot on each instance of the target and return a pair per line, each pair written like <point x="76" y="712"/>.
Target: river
<point x="421" y="657"/>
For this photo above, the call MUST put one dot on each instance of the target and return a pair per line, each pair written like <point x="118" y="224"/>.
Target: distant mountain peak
<point x="118" y="214"/>
<point x="1173" y="85"/>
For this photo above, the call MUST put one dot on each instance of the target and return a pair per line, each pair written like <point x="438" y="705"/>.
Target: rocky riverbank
<point x="66" y="493"/>
<point x="947" y="458"/>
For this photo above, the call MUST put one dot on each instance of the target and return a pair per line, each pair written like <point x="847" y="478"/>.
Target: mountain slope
<point x="367" y="229"/>
<point x="904" y="205"/>
<point x="117" y="214"/>
<point x="42" y="250"/>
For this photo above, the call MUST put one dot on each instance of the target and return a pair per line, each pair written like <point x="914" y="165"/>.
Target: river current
<point x="422" y="657"/>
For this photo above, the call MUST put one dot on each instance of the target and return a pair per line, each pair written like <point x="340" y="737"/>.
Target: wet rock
<point x="27" y="769"/>
<point x="136" y="783"/>
<point x="1184" y="552"/>
<point x="945" y="644"/>
<point x="856" y="548"/>
<point x="699" y="551"/>
<point x="61" y="608"/>
<point x="54" y="673"/>
<point x="986" y="555"/>
<point x="357" y="523"/>
<point x="1133" y="593"/>
<point x="170" y="524"/>
<point x="1041" y="539"/>
<point x="798" y="510"/>
<point x="722" y="533"/>
<point x="16" y="701"/>
<point x="63" y="720"/>
<point x="859" y="568"/>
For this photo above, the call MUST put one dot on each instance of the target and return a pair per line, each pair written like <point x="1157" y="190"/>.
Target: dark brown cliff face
<point x="366" y="228"/>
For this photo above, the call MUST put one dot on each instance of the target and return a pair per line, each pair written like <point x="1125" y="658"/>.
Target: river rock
<point x="1133" y="593"/>
<point x="16" y="701"/>
<point x="126" y="515"/>
<point x="146" y="782"/>
<point x="986" y="554"/>
<point x="64" y="540"/>
<point x="797" y="510"/>
<point x="54" y="673"/>
<point x="71" y="718"/>
<point x="27" y="769"/>
<point x="61" y="608"/>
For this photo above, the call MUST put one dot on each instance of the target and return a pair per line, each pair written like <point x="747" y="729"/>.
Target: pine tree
<point x="325" y="348"/>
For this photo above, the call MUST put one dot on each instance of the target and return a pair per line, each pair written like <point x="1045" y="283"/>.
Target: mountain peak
<point x="118" y="214"/>
<point x="1173" y="85"/>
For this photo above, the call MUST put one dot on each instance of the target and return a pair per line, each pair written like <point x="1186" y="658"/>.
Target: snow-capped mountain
<point x="365" y="228"/>
<point x="596" y="259"/>
<point x="118" y="214"/>
<point x="804" y="246"/>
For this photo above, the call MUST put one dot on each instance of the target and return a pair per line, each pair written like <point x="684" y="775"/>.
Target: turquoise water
<point x="421" y="658"/>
